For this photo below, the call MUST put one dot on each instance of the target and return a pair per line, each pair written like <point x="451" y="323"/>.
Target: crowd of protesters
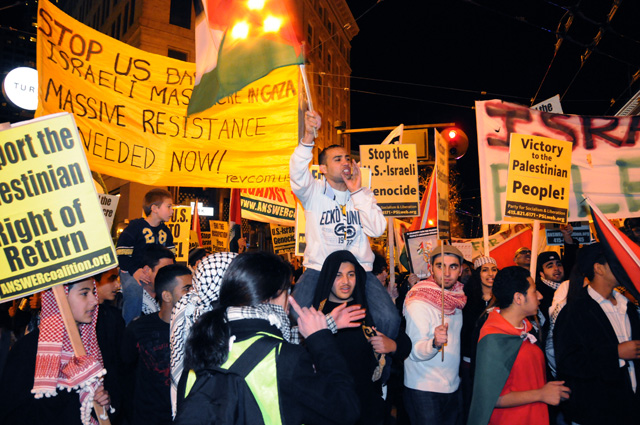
<point x="328" y="341"/>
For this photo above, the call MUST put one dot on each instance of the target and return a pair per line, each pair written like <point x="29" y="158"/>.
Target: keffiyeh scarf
<point x="57" y="367"/>
<point x="206" y="290"/>
<point x="274" y="314"/>
<point x="149" y="304"/>
<point x="430" y="292"/>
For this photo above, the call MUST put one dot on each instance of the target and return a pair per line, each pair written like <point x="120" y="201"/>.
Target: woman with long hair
<point x="479" y="297"/>
<point x="311" y="387"/>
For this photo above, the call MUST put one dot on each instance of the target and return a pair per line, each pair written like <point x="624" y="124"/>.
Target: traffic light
<point x="457" y="140"/>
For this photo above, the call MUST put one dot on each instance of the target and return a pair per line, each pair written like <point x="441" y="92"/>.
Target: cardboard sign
<point x="283" y="238"/>
<point x="53" y="229"/>
<point x="109" y="204"/>
<point x="539" y="178"/>
<point x="442" y="186"/>
<point x="394" y="178"/>
<point x="219" y="235"/>
<point x="180" y="226"/>
<point x="206" y="241"/>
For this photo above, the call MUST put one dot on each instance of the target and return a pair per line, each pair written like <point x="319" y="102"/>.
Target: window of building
<point x="180" y="13"/>
<point x="118" y="25"/>
<point x="176" y="54"/>
<point x="125" y="19"/>
<point x="329" y="62"/>
<point x="310" y="35"/>
<point x="133" y="12"/>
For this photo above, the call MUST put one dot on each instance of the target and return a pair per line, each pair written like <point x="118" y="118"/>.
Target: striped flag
<point x="623" y="255"/>
<point x="238" y="42"/>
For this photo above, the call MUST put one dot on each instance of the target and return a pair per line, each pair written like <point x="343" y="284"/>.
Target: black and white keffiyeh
<point x="149" y="304"/>
<point x="274" y="314"/>
<point x="206" y="289"/>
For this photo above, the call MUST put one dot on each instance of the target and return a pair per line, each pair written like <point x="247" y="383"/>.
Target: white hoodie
<point x="328" y="229"/>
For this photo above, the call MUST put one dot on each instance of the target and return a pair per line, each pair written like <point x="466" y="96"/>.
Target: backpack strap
<point x="253" y="355"/>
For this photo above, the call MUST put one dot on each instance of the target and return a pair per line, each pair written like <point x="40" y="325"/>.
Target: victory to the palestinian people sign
<point x="53" y="229"/>
<point x="538" y="178"/>
<point x="604" y="165"/>
<point x="130" y="107"/>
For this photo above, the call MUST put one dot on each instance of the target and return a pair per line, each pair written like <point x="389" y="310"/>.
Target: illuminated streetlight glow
<point x="240" y="30"/>
<point x="272" y="24"/>
<point x="255" y="4"/>
<point x="452" y="134"/>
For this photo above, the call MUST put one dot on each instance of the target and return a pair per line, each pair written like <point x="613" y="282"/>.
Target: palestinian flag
<point x="238" y="42"/>
<point x="623" y="255"/>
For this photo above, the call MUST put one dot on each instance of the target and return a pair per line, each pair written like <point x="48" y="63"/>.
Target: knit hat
<point x="481" y="261"/>
<point x="448" y="249"/>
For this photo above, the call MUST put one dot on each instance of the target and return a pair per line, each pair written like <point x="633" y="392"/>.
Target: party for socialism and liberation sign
<point x="130" y="107"/>
<point x="538" y="178"/>
<point x="605" y="159"/>
<point x="53" y="229"/>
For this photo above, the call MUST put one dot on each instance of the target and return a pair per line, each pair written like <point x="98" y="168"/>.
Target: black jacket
<point x="586" y="350"/>
<point x="314" y="386"/>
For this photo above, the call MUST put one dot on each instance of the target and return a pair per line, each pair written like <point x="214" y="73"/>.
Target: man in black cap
<point x="549" y="276"/>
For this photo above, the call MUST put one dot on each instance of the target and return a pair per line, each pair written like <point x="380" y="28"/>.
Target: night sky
<point x="421" y="62"/>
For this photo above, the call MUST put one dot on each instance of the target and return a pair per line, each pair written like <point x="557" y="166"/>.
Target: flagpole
<point x="535" y="242"/>
<point x="392" y="260"/>
<point x="307" y="89"/>
<point x="485" y="237"/>
<point x="442" y="285"/>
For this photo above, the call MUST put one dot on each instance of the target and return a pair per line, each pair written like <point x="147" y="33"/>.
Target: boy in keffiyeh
<point x="431" y="382"/>
<point x="43" y="364"/>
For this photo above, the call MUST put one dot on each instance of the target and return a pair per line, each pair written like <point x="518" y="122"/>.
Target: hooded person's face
<point x="344" y="282"/>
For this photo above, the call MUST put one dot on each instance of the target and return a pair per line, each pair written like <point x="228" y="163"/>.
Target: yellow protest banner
<point x="538" y="179"/>
<point x="130" y="107"/>
<point x="269" y="205"/>
<point x="394" y="178"/>
<point x="442" y="185"/>
<point x="180" y="226"/>
<point x="53" y="229"/>
<point x="219" y="235"/>
<point x="283" y="238"/>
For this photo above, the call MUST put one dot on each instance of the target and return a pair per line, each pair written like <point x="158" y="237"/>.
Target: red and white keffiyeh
<point x="430" y="292"/>
<point x="56" y="365"/>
